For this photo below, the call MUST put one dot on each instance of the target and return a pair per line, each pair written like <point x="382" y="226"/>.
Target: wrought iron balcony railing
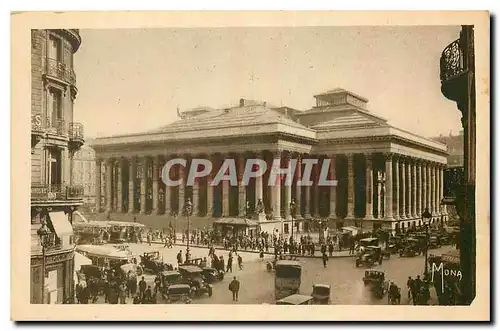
<point x="60" y="71"/>
<point x="75" y="130"/>
<point x="56" y="125"/>
<point x="452" y="62"/>
<point x="42" y="192"/>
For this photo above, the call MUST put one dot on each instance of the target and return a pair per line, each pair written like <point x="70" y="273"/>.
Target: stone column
<point x="259" y="193"/>
<point x="168" y="193"/>
<point x="408" y="189"/>
<point x="414" y="189"/>
<point x="434" y="190"/>
<point x="225" y="198"/>
<point x="242" y="192"/>
<point x="144" y="173"/>
<point x="131" y="177"/>
<point x="441" y="187"/>
<point x="428" y="187"/>
<point x="397" y="187"/>
<point x="425" y="203"/>
<point x="119" y="186"/>
<point x="350" y="186"/>
<point x="109" y="177"/>
<point x="97" y="185"/>
<point x="210" y="194"/>
<point x="288" y="188"/>
<point x="402" y="212"/>
<point x="156" y="173"/>
<point x="276" y="189"/>
<point x="317" y="202"/>
<point x="298" y="189"/>
<point x="182" y="198"/>
<point x="307" y="204"/>
<point x="369" y="187"/>
<point x="388" y="187"/>
<point x="196" y="197"/>
<point x="419" y="189"/>
<point x="333" y="189"/>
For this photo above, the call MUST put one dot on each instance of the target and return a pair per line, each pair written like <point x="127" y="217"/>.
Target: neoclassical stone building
<point x="386" y="176"/>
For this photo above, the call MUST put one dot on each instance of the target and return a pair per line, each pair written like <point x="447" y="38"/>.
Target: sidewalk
<point x="317" y="254"/>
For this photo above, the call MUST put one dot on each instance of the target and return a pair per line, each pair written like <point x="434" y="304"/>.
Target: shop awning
<point x="236" y="222"/>
<point x="61" y="224"/>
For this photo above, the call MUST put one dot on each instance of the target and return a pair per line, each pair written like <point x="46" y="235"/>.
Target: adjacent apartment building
<point x="83" y="173"/>
<point x="55" y="137"/>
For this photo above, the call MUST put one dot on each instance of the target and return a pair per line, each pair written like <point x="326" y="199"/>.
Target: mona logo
<point x="444" y="272"/>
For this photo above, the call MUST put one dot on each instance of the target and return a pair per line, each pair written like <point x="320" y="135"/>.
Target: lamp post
<point x="188" y="210"/>
<point x="44" y="234"/>
<point x="292" y="213"/>
<point x="426" y="217"/>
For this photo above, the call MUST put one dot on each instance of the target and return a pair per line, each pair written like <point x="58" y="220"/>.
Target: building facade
<point x="386" y="176"/>
<point x="83" y="173"/>
<point x="455" y="147"/>
<point x="458" y="79"/>
<point x="55" y="137"/>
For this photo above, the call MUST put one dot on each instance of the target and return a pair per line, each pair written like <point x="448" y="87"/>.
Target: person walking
<point x="179" y="257"/>
<point x="142" y="287"/>
<point x="123" y="293"/>
<point x="325" y="259"/>
<point x="234" y="287"/>
<point x="240" y="262"/>
<point x="330" y="248"/>
<point x="229" y="264"/>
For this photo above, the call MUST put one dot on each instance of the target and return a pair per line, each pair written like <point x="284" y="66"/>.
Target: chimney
<point x="242" y="102"/>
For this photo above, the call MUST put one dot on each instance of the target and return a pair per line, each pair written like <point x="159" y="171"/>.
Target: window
<point x="54" y="167"/>
<point x="55" y="106"/>
<point x="55" y="49"/>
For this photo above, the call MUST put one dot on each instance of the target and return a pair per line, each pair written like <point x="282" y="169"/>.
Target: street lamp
<point x="188" y="210"/>
<point x="292" y="213"/>
<point x="44" y="234"/>
<point x="426" y="218"/>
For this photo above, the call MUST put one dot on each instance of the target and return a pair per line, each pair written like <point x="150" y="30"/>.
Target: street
<point x="257" y="284"/>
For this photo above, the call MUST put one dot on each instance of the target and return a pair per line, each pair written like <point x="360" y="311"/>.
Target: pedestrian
<point x="325" y="259"/>
<point x="123" y="293"/>
<point x="142" y="287"/>
<point x="409" y="286"/>
<point x="234" y="287"/>
<point x="179" y="257"/>
<point x="240" y="262"/>
<point x="261" y="254"/>
<point x="148" y="296"/>
<point x="229" y="264"/>
<point x="330" y="248"/>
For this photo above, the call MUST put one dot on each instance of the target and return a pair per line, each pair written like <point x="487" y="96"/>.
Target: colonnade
<point x="372" y="186"/>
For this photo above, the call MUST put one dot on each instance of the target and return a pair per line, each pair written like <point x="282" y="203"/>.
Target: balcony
<point x="56" y="193"/>
<point x="56" y="126"/>
<point x="60" y="71"/>
<point x="453" y="70"/>
<point x="75" y="136"/>
<point x="36" y="130"/>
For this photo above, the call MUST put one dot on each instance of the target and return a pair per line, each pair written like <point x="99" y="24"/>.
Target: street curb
<point x="256" y="252"/>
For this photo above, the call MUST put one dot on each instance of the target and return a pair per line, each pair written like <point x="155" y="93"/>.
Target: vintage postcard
<point x="180" y="161"/>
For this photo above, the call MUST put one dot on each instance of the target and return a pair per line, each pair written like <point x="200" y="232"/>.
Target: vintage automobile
<point x="193" y="275"/>
<point x="212" y="275"/>
<point x="370" y="256"/>
<point x="271" y="265"/>
<point x="376" y="280"/>
<point x="321" y="294"/>
<point x="151" y="262"/>
<point x="178" y="293"/>
<point x="434" y="242"/>
<point x="296" y="299"/>
<point x="287" y="278"/>
<point x="200" y="262"/>
<point x="372" y="241"/>
<point x="411" y="249"/>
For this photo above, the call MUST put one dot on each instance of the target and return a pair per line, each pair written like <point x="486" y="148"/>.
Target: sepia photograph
<point x="327" y="163"/>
